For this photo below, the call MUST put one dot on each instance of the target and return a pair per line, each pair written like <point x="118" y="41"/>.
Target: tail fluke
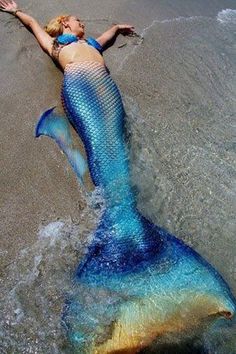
<point x="58" y="128"/>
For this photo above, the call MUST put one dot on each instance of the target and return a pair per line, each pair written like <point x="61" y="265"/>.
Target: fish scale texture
<point x="94" y="107"/>
<point x="154" y="283"/>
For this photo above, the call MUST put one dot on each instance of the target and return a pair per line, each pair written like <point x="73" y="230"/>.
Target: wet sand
<point x="182" y="155"/>
<point x="37" y="184"/>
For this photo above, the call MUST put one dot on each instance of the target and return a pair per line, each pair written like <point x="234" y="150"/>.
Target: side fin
<point x="57" y="127"/>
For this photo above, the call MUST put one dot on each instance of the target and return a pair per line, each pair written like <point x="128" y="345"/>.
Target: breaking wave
<point x="227" y="16"/>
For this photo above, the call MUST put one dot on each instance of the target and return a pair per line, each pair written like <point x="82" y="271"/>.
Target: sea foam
<point x="227" y="16"/>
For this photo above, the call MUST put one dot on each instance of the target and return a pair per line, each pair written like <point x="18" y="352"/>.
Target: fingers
<point x="126" y="27"/>
<point x="3" y="4"/>
<point x="7" y="5"/>
<point x="126" y="30"/>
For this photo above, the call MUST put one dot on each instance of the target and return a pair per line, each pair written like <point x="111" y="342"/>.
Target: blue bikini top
<point x="68" y="38"/>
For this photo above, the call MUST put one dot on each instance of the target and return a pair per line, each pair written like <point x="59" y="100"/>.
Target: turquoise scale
<point x="136" y="283"/>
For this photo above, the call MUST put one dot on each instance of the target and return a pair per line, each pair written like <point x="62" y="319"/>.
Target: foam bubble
<point x="227" y="16"/>
<point x="51" y="229"/>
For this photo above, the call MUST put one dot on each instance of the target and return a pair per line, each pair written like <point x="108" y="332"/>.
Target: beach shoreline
<point x="179" y="97"/>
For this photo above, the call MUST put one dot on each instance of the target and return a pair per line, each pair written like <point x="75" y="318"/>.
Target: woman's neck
<point x="68" y="31"/>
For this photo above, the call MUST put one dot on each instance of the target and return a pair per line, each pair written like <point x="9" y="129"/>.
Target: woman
<point x="140" y="284"/>
<point x="65" y="24"/>
<point x="63" y="39"/>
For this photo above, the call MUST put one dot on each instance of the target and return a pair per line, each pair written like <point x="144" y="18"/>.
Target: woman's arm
<point x="110" y="35"/>
<point x="44" y="40"/>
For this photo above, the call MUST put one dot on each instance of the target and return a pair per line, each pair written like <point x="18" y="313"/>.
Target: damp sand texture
<point x="179" y="92"/>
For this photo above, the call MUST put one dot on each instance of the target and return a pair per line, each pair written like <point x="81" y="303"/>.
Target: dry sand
<point x="37" y="184"/>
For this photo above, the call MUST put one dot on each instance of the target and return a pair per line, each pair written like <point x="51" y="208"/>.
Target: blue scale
<point x="68" y="38"/>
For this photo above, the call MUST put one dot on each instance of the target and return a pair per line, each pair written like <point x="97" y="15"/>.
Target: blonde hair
<point x="55" y="27"/>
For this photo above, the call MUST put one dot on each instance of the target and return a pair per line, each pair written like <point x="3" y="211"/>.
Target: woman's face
<point x="75" y="25"/>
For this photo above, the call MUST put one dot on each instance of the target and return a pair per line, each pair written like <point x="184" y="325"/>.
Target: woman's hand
<point x="8" y="6"/>
<point x="125" y="29"/>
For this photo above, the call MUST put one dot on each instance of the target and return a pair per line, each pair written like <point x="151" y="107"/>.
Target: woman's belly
<point x="78" y="53"/>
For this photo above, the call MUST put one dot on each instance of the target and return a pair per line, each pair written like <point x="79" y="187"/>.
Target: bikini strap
<point x="63" y="40"/>
<point x="94" y="43"/>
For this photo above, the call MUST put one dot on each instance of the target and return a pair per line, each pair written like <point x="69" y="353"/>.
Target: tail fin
<point x="57" y="127"/>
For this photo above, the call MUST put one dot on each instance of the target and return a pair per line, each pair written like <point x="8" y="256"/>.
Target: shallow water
<point x="183" y="129"/>
<point x="180" y="121"/>
<point x="38" y="282"/>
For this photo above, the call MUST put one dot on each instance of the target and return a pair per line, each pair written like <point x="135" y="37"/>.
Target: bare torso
<point x="78" y="52"/>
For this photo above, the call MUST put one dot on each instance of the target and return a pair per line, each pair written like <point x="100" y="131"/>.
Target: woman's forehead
<point x="74" y="17"/>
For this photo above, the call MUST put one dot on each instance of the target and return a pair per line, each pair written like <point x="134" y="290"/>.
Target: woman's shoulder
<point x="60" y="42"/>
<point x="94" y="43"/>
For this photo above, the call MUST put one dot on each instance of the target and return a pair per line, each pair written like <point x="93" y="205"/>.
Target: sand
<point x="192" y="200"/>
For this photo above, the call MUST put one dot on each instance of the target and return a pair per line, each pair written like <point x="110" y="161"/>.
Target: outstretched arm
<point x="110" y="35"/>
<point x="44" y="40"/>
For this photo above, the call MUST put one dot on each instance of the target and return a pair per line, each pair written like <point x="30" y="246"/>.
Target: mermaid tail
<point x="57" y="127"/>
<point x="137" y="284"/>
